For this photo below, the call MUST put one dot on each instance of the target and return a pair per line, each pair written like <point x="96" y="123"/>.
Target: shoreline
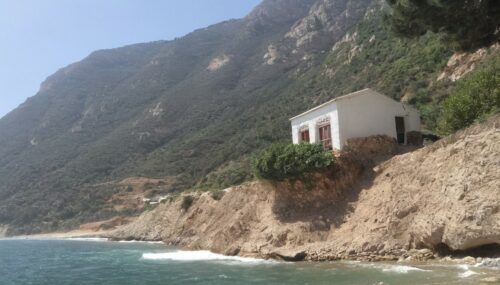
<point x="58" y="235"/>
<point x="488" y="263"/>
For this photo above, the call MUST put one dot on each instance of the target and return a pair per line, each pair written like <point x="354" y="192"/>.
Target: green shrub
<point x="474" y="99"/>
<point x="187" y="201"/>
<point x="291" y="162"/>
<point x="217" y="194"/>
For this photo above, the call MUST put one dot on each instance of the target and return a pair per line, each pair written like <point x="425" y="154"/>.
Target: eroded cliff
<point x="443" y="196"/>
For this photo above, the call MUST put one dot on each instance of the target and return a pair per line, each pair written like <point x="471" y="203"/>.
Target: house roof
<point x="356" y="93"/>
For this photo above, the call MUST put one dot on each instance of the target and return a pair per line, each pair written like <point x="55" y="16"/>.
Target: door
<point x="400" y="129"/>
<point x="304" y="136"/>
<point x="325" y="136"/>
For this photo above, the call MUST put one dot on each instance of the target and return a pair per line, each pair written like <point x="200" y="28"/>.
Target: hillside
<point x="192" y="111"/>
<point x="442" y="198"/>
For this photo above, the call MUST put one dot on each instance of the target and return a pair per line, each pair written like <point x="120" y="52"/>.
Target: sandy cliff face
<point x="446" y="195"/>
<point x="252" y="219"/>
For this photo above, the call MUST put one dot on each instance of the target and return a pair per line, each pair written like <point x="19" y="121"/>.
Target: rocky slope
<point x="194" y="110"/>
<point x="443" y="198"/>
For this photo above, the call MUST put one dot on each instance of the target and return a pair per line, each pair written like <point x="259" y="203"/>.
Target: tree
<point x="465" y="24"/>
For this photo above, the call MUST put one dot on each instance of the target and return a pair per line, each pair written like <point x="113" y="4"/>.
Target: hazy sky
<point x="37" y="37"/>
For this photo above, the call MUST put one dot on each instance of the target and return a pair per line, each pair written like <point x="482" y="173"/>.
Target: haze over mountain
<point x="192" y="111"/>
<point x="41" y="37"/>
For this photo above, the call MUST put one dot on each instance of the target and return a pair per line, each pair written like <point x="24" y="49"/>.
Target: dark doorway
<point x="400" y="129"/>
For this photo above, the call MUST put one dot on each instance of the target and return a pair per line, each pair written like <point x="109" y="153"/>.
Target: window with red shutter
<point x="304" y="136"/>
<point x="325" y="136"/>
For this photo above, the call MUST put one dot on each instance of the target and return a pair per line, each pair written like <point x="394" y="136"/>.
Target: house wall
<point x="372" y="113"/>
<point x="311" y="119"/>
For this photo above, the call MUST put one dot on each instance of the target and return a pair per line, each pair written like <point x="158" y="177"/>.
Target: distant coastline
<point x="60" y="235"/>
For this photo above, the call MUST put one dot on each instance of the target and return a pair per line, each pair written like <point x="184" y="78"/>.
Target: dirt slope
<point x="444" y="196"/>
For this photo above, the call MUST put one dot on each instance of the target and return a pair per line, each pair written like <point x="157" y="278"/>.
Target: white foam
<point x="493" y="263"/>
<point x="223" y="276"/>
<point x="402" y="269"/>
<point x="467" y="273"/>
<point x="202" y="255"/>
<point x="463" y="266"/>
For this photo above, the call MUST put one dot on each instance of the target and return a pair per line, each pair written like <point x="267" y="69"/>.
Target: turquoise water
<point x="75" y="262"/>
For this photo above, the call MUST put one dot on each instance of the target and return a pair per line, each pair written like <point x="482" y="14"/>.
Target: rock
<point x="490" y="280"/>
<point x="462" y="63"/>
<point x="290" y="256"/>
<point x="469" y="260"/>
<point x="447" y="259"/>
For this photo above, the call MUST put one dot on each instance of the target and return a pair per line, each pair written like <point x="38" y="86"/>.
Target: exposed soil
<point x="374" y="205"/>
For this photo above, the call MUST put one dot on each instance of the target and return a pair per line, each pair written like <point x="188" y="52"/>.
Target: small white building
<point x="360" y="114"/>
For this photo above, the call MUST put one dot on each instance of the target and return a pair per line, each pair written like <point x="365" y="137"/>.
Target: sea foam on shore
<point x="202" y="255"/>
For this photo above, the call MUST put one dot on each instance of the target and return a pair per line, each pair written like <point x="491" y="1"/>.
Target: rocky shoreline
<point x="376" y="205"/>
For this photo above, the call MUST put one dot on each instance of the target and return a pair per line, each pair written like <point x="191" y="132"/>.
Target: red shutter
<point x="325" y="136"/>
<point x="304" y="135"/>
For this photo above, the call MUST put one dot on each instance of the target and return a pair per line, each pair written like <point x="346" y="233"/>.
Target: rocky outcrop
<point x="444" y="195"/>
<point x="462" y="63"/>
<point x="327" y="20"/>
<point x="218" y="62"/>
<point x="325" y="24"/>
<point x="272" y="12"/>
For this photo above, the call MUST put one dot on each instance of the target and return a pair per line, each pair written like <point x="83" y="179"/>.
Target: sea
<point x="102" y="262"/>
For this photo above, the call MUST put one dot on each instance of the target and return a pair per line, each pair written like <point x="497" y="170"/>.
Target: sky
<point x="39" y="37"/>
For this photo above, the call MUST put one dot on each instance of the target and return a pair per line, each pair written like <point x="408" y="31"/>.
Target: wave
<point x="467" y="273"/>
<point x="202" y="255"/>
<point x="493" y="263"/>
<point x="403" y="269"/>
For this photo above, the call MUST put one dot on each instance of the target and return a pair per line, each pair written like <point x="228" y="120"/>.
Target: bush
<point x="217" y="194"/>
<point x="187" y="201"/>
<point x="476" y="98"/>
<point x="291" y="162"/>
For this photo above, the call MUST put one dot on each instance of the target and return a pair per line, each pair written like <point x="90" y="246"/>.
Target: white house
<point x="360" y="114"/>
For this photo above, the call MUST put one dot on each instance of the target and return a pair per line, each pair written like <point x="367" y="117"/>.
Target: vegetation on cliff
<point x="475" y="98"/>
<point x="282" y="162"/>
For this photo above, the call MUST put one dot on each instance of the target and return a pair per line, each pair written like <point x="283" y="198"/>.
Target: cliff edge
<point x="374" y="205"/>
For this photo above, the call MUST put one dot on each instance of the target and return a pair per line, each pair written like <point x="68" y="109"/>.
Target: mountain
<point x="192" y="111"/>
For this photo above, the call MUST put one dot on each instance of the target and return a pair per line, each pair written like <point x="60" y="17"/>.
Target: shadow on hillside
<point x="323" y="207"/>
<point x="335" y="194"/>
